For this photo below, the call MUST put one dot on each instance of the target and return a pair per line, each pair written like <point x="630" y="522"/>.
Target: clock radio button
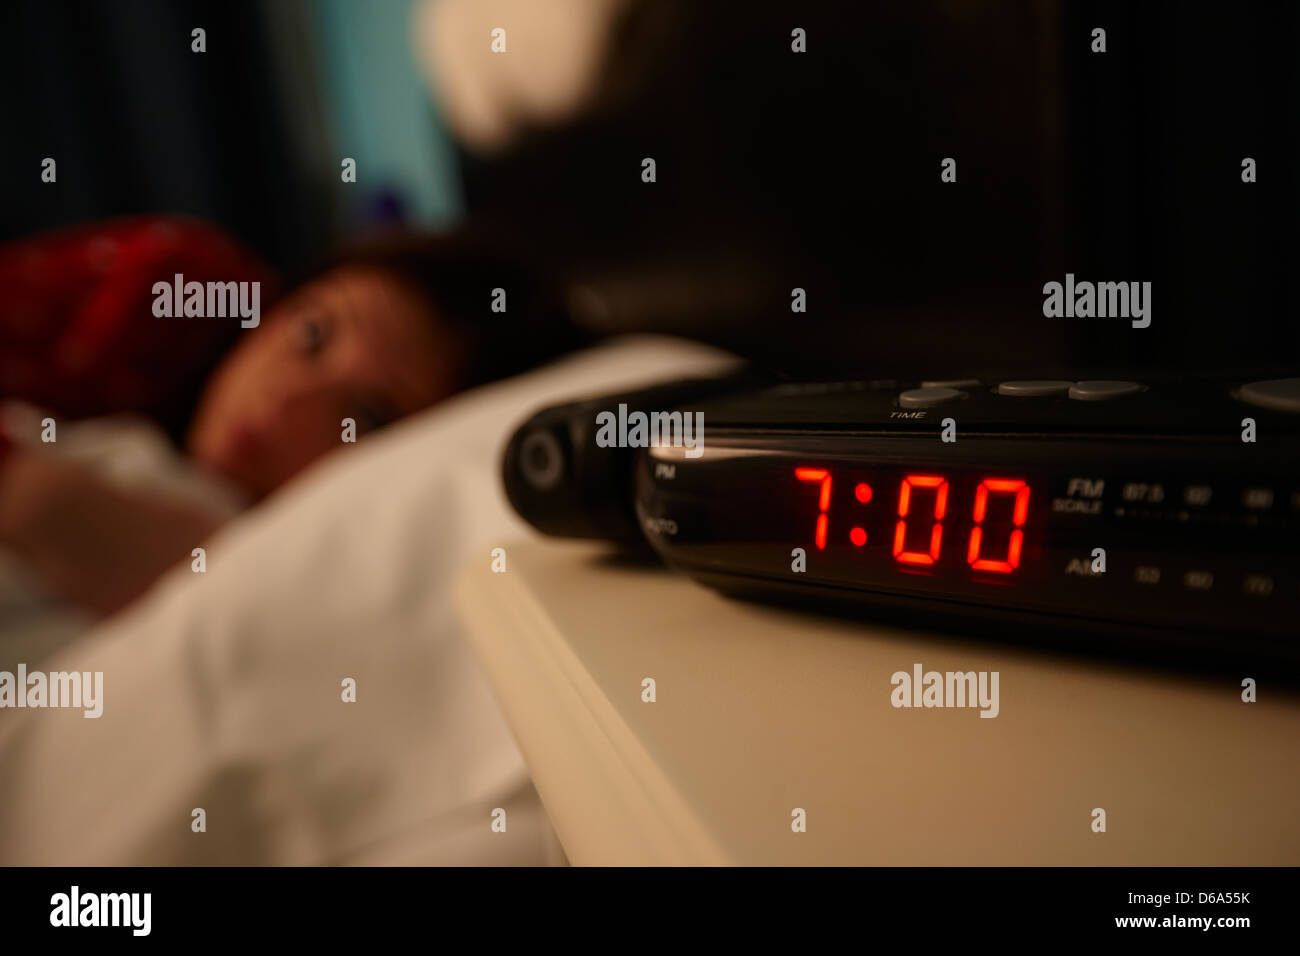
<point x="1034" y="389"/>
<point x="927" y="397"/>
<point x="541" y="460"/>
<point x="1101" y="391"/>
<point x="954" y="383"/>
<point x="1278" y="394"/>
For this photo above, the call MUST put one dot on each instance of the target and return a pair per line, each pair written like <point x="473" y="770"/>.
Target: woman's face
<point x="356" y="343"/>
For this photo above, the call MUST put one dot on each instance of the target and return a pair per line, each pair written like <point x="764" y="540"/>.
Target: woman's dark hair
<point x="460" y="273"/>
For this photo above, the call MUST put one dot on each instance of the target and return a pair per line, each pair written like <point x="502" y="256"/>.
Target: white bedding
<point x="128" y="451"/>
<point x="222" y="691"/>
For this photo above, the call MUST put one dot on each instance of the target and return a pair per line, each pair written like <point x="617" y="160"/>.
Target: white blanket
<point x="223" y="691"/>
<point x="128" y="451"/>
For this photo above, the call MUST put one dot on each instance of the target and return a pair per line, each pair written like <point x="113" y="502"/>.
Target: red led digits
<point x="936" y="532"/>
<point x="1005" y="486"/>
<point x="823" y="501"/>
<point x="939" y="484"/>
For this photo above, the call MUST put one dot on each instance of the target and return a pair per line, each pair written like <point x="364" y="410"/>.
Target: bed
<point x="309" y="698"/>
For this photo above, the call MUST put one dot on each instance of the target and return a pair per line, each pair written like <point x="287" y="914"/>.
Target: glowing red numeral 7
<point x="824" y="502"/>
<point x="1006" y="486"/>
<point x="940" y="509"/>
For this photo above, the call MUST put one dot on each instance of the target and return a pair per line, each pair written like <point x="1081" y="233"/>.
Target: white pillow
<point x="223" y="691"/>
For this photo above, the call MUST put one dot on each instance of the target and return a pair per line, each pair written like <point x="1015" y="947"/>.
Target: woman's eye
<point x="313" y="334"/>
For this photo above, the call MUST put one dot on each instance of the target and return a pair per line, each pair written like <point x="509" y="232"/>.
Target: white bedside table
<point x="760" y="711"/>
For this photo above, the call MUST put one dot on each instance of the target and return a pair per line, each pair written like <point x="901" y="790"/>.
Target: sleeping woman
<point x="128" y="439"/>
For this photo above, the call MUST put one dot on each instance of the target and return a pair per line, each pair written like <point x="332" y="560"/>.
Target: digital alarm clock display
<point x="853" y="523"/>
<point x="1002" y="523"/>
<point x="985" y="525"/>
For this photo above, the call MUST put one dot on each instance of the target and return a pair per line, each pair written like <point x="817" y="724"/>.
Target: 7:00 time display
<point x="991" y="534"/>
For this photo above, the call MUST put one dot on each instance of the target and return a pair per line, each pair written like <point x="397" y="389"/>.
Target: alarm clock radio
<point x="1132" y="509"/>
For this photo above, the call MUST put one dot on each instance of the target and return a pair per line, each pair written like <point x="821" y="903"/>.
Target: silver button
<point x="1033" y="389"/>
<point x="1101" y="391"/>
<point x="953" y="383"/>
<point x="927" y="397"/>
<point x="1279" y="394"/>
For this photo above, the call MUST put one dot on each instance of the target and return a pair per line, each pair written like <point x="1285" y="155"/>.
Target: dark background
<point x="775" y="170"/>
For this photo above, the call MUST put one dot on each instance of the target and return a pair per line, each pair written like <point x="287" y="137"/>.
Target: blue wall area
<point x="381" y="113"/>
